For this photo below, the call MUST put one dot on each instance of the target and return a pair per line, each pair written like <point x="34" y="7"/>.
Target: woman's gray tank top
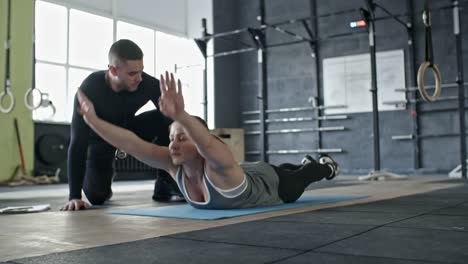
<point x="259" y="188"/>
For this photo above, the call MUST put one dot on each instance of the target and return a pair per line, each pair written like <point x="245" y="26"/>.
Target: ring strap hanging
<point x="29" y="95"/>
<point x="7" y="90"/>
<point x="429" y="62"/>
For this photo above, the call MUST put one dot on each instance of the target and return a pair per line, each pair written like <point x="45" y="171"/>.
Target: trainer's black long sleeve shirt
<point x="117" y="108"/>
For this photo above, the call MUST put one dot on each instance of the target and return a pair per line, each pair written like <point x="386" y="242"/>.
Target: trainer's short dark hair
<point x="123" y="50"/>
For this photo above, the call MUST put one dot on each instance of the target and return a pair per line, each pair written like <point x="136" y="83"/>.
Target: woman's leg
<point x="292" y="183"/>
<point x="290" y="166"/>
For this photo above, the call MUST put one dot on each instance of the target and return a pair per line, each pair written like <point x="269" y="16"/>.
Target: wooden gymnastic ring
<point x="437" y="77"/>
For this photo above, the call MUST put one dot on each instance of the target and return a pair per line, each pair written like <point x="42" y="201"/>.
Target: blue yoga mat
<point x="186" y="211"/>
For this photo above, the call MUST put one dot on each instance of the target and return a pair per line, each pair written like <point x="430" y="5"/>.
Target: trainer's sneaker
<point x="307" y="159"/>
<point x="325" y="159"/>
<point x="109" y="196"/>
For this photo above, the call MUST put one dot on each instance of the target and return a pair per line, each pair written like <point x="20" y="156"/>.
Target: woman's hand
<point x="171" y="103"/>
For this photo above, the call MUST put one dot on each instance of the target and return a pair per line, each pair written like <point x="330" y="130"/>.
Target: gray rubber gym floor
<point x="430" y="227"/>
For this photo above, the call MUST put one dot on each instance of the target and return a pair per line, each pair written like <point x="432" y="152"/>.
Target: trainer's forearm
<point x="124" y="139"/>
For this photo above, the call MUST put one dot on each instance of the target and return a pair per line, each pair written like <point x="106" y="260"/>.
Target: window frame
<point x="67" y="65"/>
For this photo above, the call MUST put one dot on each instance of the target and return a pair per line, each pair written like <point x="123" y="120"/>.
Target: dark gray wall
<point x="226" y="69"/>
<point x="292" y="82"/>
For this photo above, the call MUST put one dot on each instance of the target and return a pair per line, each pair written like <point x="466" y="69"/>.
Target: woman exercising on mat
<point x="203" y="166"/>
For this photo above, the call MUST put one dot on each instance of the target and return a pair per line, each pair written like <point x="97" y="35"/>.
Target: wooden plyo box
<point x="234" y="138"/>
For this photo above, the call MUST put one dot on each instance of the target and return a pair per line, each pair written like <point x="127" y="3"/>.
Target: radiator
<point x="129" y="168"/>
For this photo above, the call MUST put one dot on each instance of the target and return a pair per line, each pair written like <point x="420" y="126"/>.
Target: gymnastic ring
<point x="54" y="110"/>
<point x="8" y="93"/>
<point x="27" y="98"/>
<point x="438" y="80"/>
<point x="46" y="103"/>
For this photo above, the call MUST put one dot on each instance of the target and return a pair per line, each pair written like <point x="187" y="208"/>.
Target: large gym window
<point x="51" y="32"/>
<point x="72" y="43"/>
<point x="183" y="57"/>
<point x="90" y="38"/>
